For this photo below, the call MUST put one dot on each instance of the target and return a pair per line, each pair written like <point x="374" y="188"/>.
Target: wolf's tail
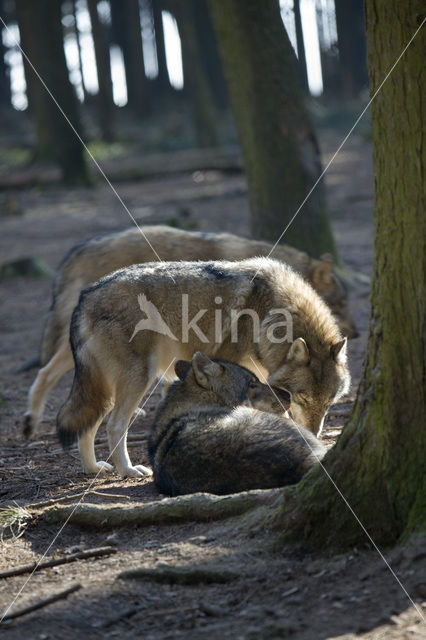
<point x="29" y="364"/>
<point x="89" y="402"/>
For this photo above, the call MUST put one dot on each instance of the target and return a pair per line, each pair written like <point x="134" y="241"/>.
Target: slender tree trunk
<point x="125" y="16"/>
<point x="105" y="102"/>
<point x="55" y="140"/>
<point x="379" y="462"/>
<point x="78" y="41"/>
<point x="24" y="18"/>
<point x="5" y="90"/>
<point x="163" y="82"/>
<point x="280" y="150"/>
<point x="300" y="45"/>
<point x="352" y="46"/>
<point x="195" y="79"/>
<point x="209" y="52"/>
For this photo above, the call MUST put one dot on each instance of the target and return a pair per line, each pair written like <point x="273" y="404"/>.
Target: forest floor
<point x="275" y="594"/>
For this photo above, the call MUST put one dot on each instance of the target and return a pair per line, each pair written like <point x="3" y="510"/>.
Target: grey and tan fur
<point x="112" y="372"/>
<point x="88" y="262"/>
<point x="206" y="438"/>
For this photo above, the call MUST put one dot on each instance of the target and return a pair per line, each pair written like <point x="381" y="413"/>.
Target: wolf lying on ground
<point x="117" y="355"/>
<point x="88" y="262"/>
<point x="205" y="439"/>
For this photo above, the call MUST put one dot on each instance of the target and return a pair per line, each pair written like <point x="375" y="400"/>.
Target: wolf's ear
<point x="205" y="369"/>
<point x="181" y="368"/>
<point x="299" y="352"/>
<point x="322" y="273"/>
<point x="339" y="351"/>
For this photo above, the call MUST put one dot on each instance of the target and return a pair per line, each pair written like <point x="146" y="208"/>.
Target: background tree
<point x="55" y="140"/>
<point x="126" y="26"/>
<point x="301" y="56"/>
<point x="280" y="150"/>
<point x="78" y="42"/>
<point x="5" y="92"/>
<point x="162" y="81"/>
<point x="105" y="102"/>
<point x="379" y="462"/>
<point x="195" y="79"/>
<point x="352" y="47"/>
<point x="209" y="53"/>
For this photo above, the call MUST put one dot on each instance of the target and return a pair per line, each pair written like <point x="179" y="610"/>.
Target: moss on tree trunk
<point x="379" y="462"/>
<point x="280" y="150"/>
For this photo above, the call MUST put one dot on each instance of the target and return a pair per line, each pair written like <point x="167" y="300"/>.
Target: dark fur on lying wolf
<point x="114" y="367"/>
<point x="205" y="439"/>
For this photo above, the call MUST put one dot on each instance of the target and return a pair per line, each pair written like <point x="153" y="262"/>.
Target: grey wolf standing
<point x="114" y="365"/>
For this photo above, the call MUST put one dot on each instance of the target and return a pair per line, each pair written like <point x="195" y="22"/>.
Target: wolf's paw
<point x="138" y="471"/>
<point x="100" y="467"/>
<point x="30" y="425"/>
<point x="139" y="413"/>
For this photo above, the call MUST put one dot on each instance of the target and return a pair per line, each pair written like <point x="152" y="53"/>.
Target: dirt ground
<point x="275" y="594"/>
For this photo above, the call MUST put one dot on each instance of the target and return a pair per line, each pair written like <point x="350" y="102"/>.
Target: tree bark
<point x="55" y="140"/>
<point x="352" y="47"/>
<point x="126" y="24"/>
<point x="280" y="150"/>
<point x="105" y="102"/>
<point x="379" y="462"/>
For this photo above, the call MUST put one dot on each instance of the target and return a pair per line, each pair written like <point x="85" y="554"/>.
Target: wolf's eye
<point x="300" y="398"/>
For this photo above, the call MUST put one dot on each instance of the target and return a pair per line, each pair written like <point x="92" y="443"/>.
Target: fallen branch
<point x="42" y="603"/>
<point x="128" y="613"/>
<point x="83" y="494"/>
<point x="79" y="555"/>
<point x="185" y="575"/>
<point x="200" y="507"/>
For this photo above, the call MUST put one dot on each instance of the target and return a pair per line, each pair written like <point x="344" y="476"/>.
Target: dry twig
<point x="79" y="555"/>
<point x="41" y="603"/>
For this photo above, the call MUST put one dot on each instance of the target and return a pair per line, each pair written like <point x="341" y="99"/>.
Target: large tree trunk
<point x="41" y="31"/>
<point x="280" y="150"/>
<point x="195" y="78"/>
<point x="126" y="24"/>
<point x="105" y="102"/>
<point x="352" y="47"/>
<point x="379" y="462"/>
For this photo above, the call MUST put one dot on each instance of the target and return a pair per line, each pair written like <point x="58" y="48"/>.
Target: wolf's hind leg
<point x="46" y="379"/>
<point x="127" y="400"/>
<point x="86" y="446"/>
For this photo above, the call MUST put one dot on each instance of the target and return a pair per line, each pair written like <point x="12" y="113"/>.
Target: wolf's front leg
<point x="86" y="445"/>
<point x="117" y="437"/>
<point x="118" y="423"/>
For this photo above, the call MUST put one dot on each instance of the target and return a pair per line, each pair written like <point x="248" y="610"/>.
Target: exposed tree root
<point x="200" y="507"/>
